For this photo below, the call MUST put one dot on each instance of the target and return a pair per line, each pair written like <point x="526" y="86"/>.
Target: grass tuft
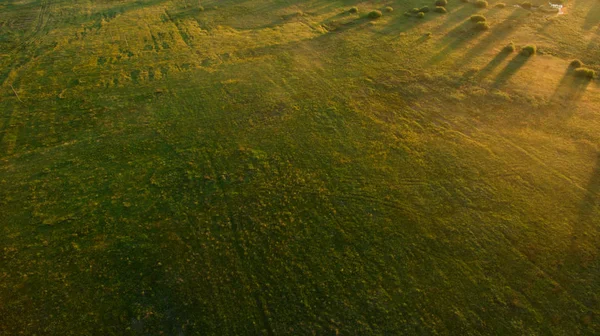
<point x="421" y="15"/>
<point x="389" y="9"/>
<point x="500" y="5"/>
<point x="510" y="47"/>
<point x="440" y="9"/>
<point x="353" y="10"/>
<point x="482" y="25"/>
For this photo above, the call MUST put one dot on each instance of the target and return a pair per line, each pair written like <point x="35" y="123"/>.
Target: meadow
<point x="291" y="167"/>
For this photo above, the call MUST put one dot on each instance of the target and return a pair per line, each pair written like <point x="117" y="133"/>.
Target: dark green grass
<point x="242" y="170"/>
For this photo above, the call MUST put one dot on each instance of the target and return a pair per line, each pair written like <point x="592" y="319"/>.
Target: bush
<point x="374" y="14"/>
<point x="353" y="10"/>
<point x="424" y="9"/>
<point x="478" y="18"/>
<point x="510" y="47"/>
<point x="407" y="14"/>
<point x="442" y="3"/>
<point x="526" y="5"/>
<point x="421" y="15"/>
<point x="585" y="73"/>
<point x="528" y="50"/>
<point x="481" y="3"/>
<point x="415" y="10"/>
<point x="576" y="64"/>
<point x="440" y="9"/>
<point x="500" y="5"/>
<point x="389" y="9"/>
<point x="482" y="25"/>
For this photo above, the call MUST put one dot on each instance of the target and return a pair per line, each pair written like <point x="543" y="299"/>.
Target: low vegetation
<point x="586" y="73"/>
<point x="424" y="9"/>
<point x="481" y="3"/>
<point x="500" y="5"/>
<point x="353" y="10"/>
<point x="441" y="3"/>
<point x="526" y="5"/>
<point x="420" y="15"/>
<point x="440" y="9"/>
<point x="389" y="9"/>
<point x="375" y="14"/>
<point x="481" y="25"/>
<point x="529" y="50"/>
<point x="576" y="64"/>
<point x="510" y="47"/>
<point x="478" y="18"/>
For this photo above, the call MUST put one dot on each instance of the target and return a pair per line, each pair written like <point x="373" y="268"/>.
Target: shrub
<point x="500" y="5"/>
<point x="442" y="3"/>
<point x="424" y="9"/>
<point x="415" y="10"/>
<point x="374" y="14"/>
<point x="526" y="5"/>
<point x="421" y="15"/>
<point x="482" y="25"/>
<point x="528" y="50"/>
<point x="440" y="9"/>
<point x="481" y="3"/>
<point x="389" y="9"/>
<point x="407" y="14"/>
<point x="576" y="64"/>
<point x="478" y="18"/>
<point x="353" y="10"/>
<point x="510" y="47"/>
<point x="585" y="73"/>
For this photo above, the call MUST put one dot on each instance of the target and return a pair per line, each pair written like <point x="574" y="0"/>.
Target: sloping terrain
<point x="186" y="167"/>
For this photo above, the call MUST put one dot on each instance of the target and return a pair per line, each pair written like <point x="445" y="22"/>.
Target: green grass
<point x="287" y="168"/>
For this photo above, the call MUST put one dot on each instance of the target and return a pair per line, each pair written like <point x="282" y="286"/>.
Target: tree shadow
<point x="492" y="65"/>
<point x="593" y="17"/>
<point x="510" y="70"/>
<point x="569" y="91"/>
<point x="461" y="34"/>
<point x="588" y="219"/>
<point x="498" y="33"/>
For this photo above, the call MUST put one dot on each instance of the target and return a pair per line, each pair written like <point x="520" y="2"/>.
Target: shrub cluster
<point x="482" y="25"/>
<point x="576" y="64"/>
<point x="510" y="47"/>
<point x="585" y="73"/>
<point x="478" y="18"/>
<point x="528" y="50"/>
<point x="481" y="3"/>
<point x="374" y="14"/>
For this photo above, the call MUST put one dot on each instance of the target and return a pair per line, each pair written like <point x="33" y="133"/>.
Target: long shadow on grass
<point x="510" y="70"/>
<point x="498" y="33"/>
<point x="586" y="224"/>
<point x="593" y="17"/>
<point x="493" y="64"/>
<point x="461" y="35"/>
<point x="568" y="92"/>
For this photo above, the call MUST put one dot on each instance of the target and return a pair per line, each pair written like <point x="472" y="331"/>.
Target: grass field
<point x="280" y="167"/>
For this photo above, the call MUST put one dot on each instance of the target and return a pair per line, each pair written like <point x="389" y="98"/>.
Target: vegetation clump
<point x="500" y="5"/>
<point x="353" y="10"/>
<point x="440" y="9"/>
<point x="526" y="5"/>
<point x="575" y="64"/>
<point x="421" y="15"/>
<point x="375" y="14"/>
<point x="478" y="18"/>
<point x="529" y="50"/>
<point x="510" y="47"/>
<point x="585" y="73"/>
<point x="424" y="9"/>
<point x="481" y="3"/>
<point x="389" y="9"/>
<point x="441" y="3"/>
<point x="482" y="25"/>
<point x="415" y="10"/>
